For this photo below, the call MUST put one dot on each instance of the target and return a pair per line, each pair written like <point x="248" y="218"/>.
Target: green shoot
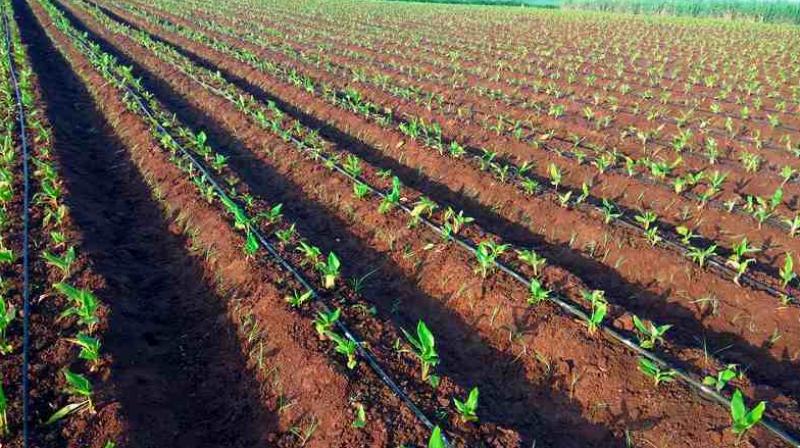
<point x="650" y="369"/>
<point x="787" y="271"/>
<point x="311" y="254"/>
<point x="360" y="190"/>
<point x="486" y="253"/>
<point x="533" y="259"/>
<point x="436" y="440"/>
<point x="296" y="300"/>
<point x="722" y="379"/>
<point x="345" y="347"/>
<point x="7" y="315"/>
<point x="77" y="386"/>
<point x="599" y="309"/>
<point x="361" y="417"/>
<point x="330" y="271"/>
<point x="84" y="304"/>
<point x="699" y="255"/>
<point x="392" y="198"/>
<point x="555" y="175"/>
<point x="538" y="293"/>
<point x="467" y="409"/>
<point x="425" y="348"/>
<point x="90" y="349"/>
<point x="325" y="320"/>
<point x="649" y="335"/>
<point x="3" y="412"/>
<point x="63" y="263"/>
<point x="250" y="244"/>
<point x="742" y="418"/>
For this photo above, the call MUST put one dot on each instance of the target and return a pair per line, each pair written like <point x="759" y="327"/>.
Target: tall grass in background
<point x="778" y="11"/>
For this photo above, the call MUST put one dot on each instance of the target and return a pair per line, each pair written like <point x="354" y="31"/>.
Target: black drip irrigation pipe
<point x="563" y="302"/>
<point x="25" y="237"/>
<point x="715" y="262"/>
<point x="689" y="195"/>
<point x="373" y="363"/>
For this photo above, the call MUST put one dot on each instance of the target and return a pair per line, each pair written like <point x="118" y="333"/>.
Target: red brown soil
<point x="179" y="354"/>
<point x="711" y="222"/>
<point x="212" y="107"/>
<point x="727" y="326"/>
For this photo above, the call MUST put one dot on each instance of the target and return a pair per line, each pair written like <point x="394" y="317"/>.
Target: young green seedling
<point x="722" y="379"/>
<point x="599" y="309"/>
<point x="424" y="347"/>
<point x="436" y="439"/>
<point x="7" y="315"/>
<point x="325" y="321"/>
<point x="3" y="411"/>
<point x="392" y="198"/>
<point x="699" y="255"/>
<point x="285" y="235"/>
<point x="311" y="254"/>
<point x="787" y="271"/>
<point x="646" y="219"/>
<point x="63" y="263"/>
<point x="533" y="259"/>
<point x="77" y="386"/>
<point x="486" y="253"/>
<point x="650" y="334"/>
<point x="742" y="418"/>
<point x="361" y="417"/>
<point x="360" y="190"/>
<point x="423" y="206"/>
<point x="90" y="349"/>
<point x="345" y="347"/>
<point x="330" y="271"/>
<point x="467" y="410"/>
<point x="610" y="211"/>
<point x="538" y="293"/>
<point x="738" y="259"/>
<point x="84" y="304"/>
<point x="456" y="221"/>
<point x="555" y="175"/>
<point x="250" y="244"/>
<point x="296" y="300"/>
<point x="658" y="375"/>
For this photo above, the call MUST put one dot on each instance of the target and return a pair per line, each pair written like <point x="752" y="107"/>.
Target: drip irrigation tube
<point x="373" y="363"/>
<point x="563" y="302"/>
<point x="25" y="237"/>
<point x="668" y="241"/>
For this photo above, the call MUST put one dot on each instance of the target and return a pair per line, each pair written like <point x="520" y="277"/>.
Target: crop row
<point x="284" y="234"/>
<point x="654" y="171"/>
<point x="390" y="193"/>
<point x="615" y="301"/>
<point x="50" y="268"/>
<point x="732" y="262"/>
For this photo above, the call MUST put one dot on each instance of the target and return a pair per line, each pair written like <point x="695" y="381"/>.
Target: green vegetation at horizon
<point x="772" y="11"/>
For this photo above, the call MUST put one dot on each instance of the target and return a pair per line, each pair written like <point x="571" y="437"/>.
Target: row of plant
<point x="56" y="262"/>
<point x="732" y="263"/>
<point x="594" y="106"/>
<point x="234" y="94"/>
<point x="701" y="185"/>
<point x="9" y="228"/>
<point x="261" y="224"/>
<point x="518" y="124"/>
<point x="488" y="253"/>
<point x="592" y="93"/>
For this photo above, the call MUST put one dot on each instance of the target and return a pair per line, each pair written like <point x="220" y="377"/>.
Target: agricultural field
<point x="391" y="224"/>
